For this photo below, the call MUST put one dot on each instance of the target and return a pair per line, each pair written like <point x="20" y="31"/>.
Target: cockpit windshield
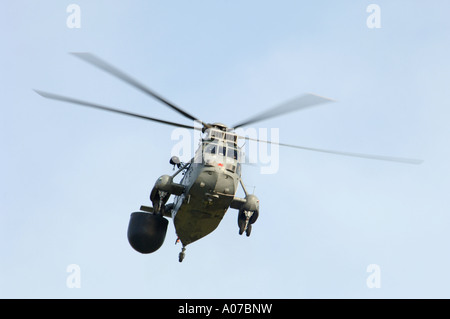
<point x="232" y="153"/>
<point x="210" y="148"/>
<point x="220" y="151"/>
<point x="215" y="134"/>
<point x="219" y="148"/>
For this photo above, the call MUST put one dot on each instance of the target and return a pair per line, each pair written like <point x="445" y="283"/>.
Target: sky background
<point x="71" y="176"/>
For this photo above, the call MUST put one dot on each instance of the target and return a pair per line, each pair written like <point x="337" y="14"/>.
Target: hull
<point x="200" y="210"/>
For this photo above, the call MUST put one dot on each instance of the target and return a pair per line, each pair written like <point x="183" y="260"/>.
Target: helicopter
<point x="210" y="180"/>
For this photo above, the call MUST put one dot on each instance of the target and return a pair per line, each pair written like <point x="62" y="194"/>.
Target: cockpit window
<point x="222" y="150"/>
<point x="232" y="153"/>
<point x="231" y="137"/>
<point x="210" y="148"/>
<point x="214" y="134"/>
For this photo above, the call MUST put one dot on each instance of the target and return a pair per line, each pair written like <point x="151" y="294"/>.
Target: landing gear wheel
<point x="249" y="230"/>
<point x="181" y="255"/>
<point x="244" y="224"/>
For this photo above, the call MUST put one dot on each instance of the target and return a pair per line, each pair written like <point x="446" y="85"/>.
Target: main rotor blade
<point x="302" y="102"/>
<point x="360" y="155"/>
<point x="96" y="61"/>
<point x="109" y="109"/>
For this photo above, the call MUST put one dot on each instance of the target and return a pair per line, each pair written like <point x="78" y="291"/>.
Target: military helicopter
<point x="210" y="179"/>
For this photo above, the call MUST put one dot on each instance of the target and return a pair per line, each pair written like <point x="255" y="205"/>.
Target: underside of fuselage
<point x="200" y="210"/>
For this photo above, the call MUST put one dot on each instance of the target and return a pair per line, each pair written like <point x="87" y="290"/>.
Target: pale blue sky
<point x="70" y="176"/>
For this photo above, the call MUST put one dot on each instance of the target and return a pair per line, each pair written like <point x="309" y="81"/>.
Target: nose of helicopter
<point x="217" y="180"/>
<point x="225" y="183"/>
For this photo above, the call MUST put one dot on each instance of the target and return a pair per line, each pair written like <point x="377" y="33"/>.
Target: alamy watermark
<point x="254" y="146"/>
<point x="374" y="279"/>
<point x="374" y="19"/>
<point x="73" y="280"/>
<point x="73" y="20"/>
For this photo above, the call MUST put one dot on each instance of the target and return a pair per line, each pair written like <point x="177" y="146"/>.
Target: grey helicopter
<point x="210" y="180"/>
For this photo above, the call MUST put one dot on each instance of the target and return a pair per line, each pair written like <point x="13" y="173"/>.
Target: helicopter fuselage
<point x="210" y="190"/>
<point x="202" y="196"/>
<point x="210" y="184"/>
